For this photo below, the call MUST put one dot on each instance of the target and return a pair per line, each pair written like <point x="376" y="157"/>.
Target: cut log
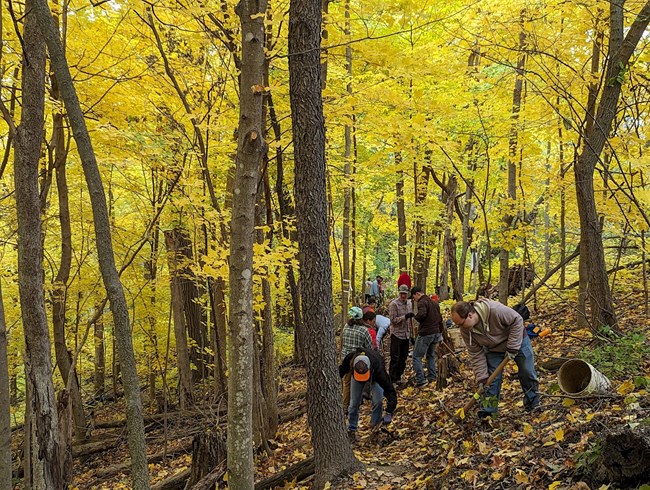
<point x="297" y="472"/>
<point x="176" y="482"/>
<point x="625" y="458"/>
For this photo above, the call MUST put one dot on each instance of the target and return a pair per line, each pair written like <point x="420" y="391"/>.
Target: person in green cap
<point x="355" y="336"/>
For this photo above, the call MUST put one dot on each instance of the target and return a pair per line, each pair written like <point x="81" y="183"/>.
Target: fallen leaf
<point x="521" y="477"/>
<point x="559" y="435"/>
<point x="527" y="428"/>
<point x="626" y="387"/>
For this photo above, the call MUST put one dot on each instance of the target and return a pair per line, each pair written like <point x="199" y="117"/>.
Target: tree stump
<point x="208" y="452"/>
<point x="625" y="458"/>
<point x="447" y="366"/>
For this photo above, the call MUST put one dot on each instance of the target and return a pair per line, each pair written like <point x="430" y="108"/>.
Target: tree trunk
<point x="110" y="276"/>
<point x="506" y="245"/>
<point x="347" y="181"/>
<point x="189" y="293"/>
<point x="173" y="242"/>
<point x="332" y="452"/>
<point x="591" y="251"/>
<point x="420" y="249"/>
<point x="268" y="376"/>
<point x="217" y="287"/>
<point x="100" y="357"/>
<point x="59" y="293"/>
<point x="287" y="212"/>
<point x="30" y="255"/>
<point x="5" y="404"/>
<point x="250" y="152"/>
<point x="401" y="216"/>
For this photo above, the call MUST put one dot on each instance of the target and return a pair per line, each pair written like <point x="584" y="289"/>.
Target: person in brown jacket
<point x="429" y="336"/>
<point x="491" y="331"/>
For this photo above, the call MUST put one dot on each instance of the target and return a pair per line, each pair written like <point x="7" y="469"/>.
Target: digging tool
<point x="477" y="396"/>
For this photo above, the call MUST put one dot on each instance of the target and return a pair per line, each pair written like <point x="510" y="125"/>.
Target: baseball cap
<point x="362" y="368"/>
<point x="355" y="313"/>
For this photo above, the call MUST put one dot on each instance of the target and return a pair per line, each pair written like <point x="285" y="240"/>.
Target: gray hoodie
<point x="500" y="329"/>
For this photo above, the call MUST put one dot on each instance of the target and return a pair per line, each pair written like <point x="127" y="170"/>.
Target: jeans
<point x="399" y="351"/>
<point x="527" y="378"/>
<point x="425" y="345"/>
<point x="356" y="395"/>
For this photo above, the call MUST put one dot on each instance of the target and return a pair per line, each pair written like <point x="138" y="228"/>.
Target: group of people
<point x="491" y="331"/>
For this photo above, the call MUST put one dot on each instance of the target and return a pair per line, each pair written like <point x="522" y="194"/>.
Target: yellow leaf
<point x="559" y="435"/>
<point x="521" y="477"/>
<point x="327" y="486"/>
<point x="568" y="402"/>
<point x="590" y="416"/>
<point x="497" y="475"/>
<point x="626" y="387"/>
<point x="460" y="413"/>
<point x="554" y="485"/>
<point x="527" y="428"/>
<point x="470" y="475"/>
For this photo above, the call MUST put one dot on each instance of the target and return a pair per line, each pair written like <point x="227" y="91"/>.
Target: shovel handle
<point x="494" y="374"/>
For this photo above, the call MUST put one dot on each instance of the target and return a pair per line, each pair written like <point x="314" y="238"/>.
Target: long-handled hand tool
<point x="477" y="396"/>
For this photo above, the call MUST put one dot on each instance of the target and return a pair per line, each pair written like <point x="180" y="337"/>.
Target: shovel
<point x="477" y="396"/>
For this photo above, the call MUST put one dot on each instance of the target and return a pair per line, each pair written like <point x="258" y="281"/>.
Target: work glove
<point x="388" y="418"/>
<point x="512" y="354"/>
<point x="482" y="385"/>
<point x="409" y="315"/>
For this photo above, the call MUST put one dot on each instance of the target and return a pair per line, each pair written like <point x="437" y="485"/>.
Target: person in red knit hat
<point x="404" y="279"/>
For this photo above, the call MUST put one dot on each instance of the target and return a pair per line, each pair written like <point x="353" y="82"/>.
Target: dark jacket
<point x="428" y="316"/>
<point x="378" y="374"/>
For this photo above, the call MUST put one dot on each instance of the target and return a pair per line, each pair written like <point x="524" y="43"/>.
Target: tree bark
<point x="268" y="375"/>
<point x="332" y="453"/>
<point x="30" y="256"/>
<point x="217" y="290"/>
<point x="5" y="404"/>
<point x="185" y="394"/>
<point x="110" y="276"/>
<point x="591" y="245"/>
<point x="347" y="179"/>
<point x="421" y="181"/>
<point x="250" y="152"/>
<point x="401" y="216"/>
<point x="100" y="357"/>
<point x="59" y="292"/>
<point x="506" y="245"/>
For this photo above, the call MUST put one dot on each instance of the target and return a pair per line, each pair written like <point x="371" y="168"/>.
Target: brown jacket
<point x="500" y="329"/>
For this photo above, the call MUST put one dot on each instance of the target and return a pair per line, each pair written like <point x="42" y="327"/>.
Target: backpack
<point x="523" y="310"/>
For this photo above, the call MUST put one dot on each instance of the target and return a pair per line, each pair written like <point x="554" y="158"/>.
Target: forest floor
<point x="553" y="447"/>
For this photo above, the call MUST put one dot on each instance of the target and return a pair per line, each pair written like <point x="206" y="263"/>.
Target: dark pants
<point x="399" y="351"/>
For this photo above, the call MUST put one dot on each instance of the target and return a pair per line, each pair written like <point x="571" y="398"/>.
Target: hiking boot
<point x="352" y="436"/>
<point x="422" y="384"/>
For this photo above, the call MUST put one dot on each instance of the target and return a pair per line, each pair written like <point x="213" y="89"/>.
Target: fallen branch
<point x="175" y="482"/>
<point x="110" y="471"/>
<point x="95" y="447"/>
<point x="297" y="472"/>
<point x="209" y="481"/>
